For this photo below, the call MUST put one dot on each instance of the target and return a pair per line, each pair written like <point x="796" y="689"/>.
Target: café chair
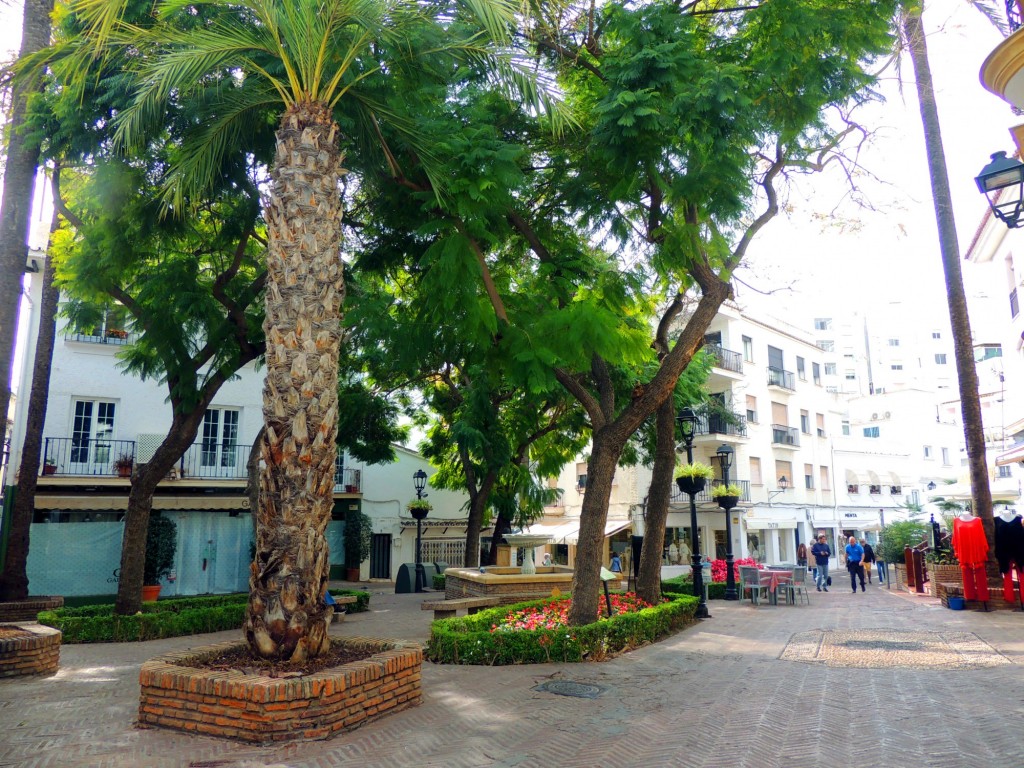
<point x="797" y="586"/>
<point x="750" y="578"/>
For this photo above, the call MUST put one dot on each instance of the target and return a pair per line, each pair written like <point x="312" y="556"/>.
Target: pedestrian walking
<point x="854" y="560"/>
<point x="801" y="554"/>
<point x="869" y="559"/>
<point x="821" y="552"/>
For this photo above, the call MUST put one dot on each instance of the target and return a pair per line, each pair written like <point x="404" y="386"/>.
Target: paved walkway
<point x="718" y="694"/>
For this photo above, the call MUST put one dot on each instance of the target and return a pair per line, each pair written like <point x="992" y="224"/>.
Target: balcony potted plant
<point x="161" y="544"/>
<point x="727" y="496"/>
<point x="123" y="465"/>
<point x="691" y="478"/>
<point x="358" y="536"/>
<point x="49" y="466"/>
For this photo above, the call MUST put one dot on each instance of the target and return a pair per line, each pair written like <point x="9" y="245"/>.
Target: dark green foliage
<point x="358" y="537"/>
<point x="166" y="618"/>
<point x="439" y="582"/>
<point x="895" y="536"/>
<point x="161" y="544"/>
<point x="469" y="640"/>
<point x="683" y="585"/>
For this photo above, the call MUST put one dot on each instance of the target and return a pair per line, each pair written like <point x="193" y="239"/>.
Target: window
<point x="748" y="349"/>
<point x="852" y="488"/>
<point x="846" y="427"/>
<point x="784" y="469"/>
<point x="809" y="477"/>
<point x="870" y="431"/>
<point x="801" y="371"/>
<point x="830" y="369"/>
<point x="826" y="345"/>
<point x="755" y="471"/>
<point x="927" y="451"/>
<point x="751" y="409"/>
<point x="219" y="445"/>
<point x="819" y="419"/>
<point x="987" y="352"/>
<point x="936" y="335"/>
<point x="894" y="342"/>
<point x="850" y="375"/>
<point x="945" y="456"/>
<point x="825" y="485"/>
<point x="895" y="490"/>
<point x="897" y="366"/>
<point x="816" y="373"/>
<point x="940" y="359"/>
<point x="805" y="422"/>
<point x="92" y="439"/>
<point x="822" y="323"/>
<point x="1004" y="471"/>
<point x="875" y="490"/>
<point x="581" y="477"/>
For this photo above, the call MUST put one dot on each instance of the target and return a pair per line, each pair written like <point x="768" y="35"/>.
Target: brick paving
<point x="716" y="695"/>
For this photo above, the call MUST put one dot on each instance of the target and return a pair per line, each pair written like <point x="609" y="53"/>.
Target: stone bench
<point x="339" y="616"/>
<point x="445" y="609"/>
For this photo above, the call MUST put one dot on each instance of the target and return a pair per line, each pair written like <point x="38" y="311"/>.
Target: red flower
<point x="554" y="614"/>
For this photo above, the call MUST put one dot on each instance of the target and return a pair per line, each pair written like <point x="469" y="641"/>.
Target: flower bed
<point x="534" y="632"/>
<point x="164" y="618"/>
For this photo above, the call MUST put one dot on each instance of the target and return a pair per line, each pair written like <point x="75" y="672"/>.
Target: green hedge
<point x="165" y="618"/>
<point x="681" y="585"/>
<point x="468" y="640"/>
<point x="439" y="582"/>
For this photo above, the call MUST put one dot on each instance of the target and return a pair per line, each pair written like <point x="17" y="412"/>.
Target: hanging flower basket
<point x="691" y="485"/>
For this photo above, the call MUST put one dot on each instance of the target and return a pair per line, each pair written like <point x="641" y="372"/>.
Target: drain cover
<point x="571" y="688"/>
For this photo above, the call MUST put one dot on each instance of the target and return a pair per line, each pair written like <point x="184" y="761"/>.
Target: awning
<point x="120" y="503"/>
<point x="873" y="478"/>
<point x="559" y="533"/>
<point x="895" y="479"/>
<point x="1012" y="456"/>
<point x="763" y="523"/>
<point x="611" y="527"/>
<point x="851" y="478"/>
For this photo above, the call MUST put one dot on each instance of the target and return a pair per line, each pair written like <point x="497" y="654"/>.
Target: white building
<point x="95" y="414"/>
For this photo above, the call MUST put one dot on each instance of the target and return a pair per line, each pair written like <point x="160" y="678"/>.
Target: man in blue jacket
<point x="854" y="563"/>
<point x="821" y="552"/>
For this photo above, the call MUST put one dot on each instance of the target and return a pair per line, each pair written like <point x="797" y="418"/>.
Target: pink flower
<point x="554" y="614"/>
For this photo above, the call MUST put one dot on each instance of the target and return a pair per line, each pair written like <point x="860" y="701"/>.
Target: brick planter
<point x="28" y="609"/>
<point x="261" y="709"/>
<point x="28" y="649"/>
<point x="944" y="574"/>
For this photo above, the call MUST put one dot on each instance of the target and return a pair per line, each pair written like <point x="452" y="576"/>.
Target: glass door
<point x="218" y="456"/>
<point x="92" y="434"/>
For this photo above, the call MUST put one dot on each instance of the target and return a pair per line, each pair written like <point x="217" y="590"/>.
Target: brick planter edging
<point x="261" y="709"/>
<point x="37" y="652"/>
<point x="28" y="609"/>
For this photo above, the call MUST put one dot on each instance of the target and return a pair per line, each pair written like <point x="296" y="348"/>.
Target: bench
<point x="339" y="616"/>
<point x="445" y="609"/>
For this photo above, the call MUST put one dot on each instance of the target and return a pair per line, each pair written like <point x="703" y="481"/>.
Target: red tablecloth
<point x="772" y="579"/>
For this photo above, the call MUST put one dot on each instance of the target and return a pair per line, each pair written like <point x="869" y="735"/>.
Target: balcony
<point x="112" y="336"/>
<point x="1003" y="70"/>
<point x="725" y="358"/>
<point x="787" y="437"/>
<point x="721" y="424"/>
<point x="678" y="497"/>
<point x="782" y="379"/>
<point x="79" y="456"/>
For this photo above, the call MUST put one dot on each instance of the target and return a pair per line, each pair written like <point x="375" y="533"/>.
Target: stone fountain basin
<point x="507" y="583"/>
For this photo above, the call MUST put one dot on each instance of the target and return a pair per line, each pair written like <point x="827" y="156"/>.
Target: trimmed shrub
<point x="165" y="618"/>
<point x="469" y="640"/>
<point x="439" y="582"/>
<point x="683" y="585"/>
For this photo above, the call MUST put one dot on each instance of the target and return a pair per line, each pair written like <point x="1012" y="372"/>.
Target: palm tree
<point x="297" y="59"/>
<point x="963" y="340"/>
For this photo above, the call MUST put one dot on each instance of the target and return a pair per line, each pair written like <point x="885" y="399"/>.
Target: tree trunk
<point x="477" y="503"/>
<point x="19" y="176"/>
<point x="145" y="479"/>
<point x="14" y="579"/>
<point x="963" y="340"/>
<point x="648" y="585"/>
<point x="502" y="525"/>
<point x="286" y="617"/>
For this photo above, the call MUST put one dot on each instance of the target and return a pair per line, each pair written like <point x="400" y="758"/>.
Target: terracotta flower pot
<point x="150" y="592"/>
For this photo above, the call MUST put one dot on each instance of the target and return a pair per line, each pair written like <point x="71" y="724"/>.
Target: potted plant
<point x="691" y="478"/>
<point x="727" y="496"/>
<point x="161" y="544"/>
<point x="123" y="465"/>
<point x="49" y="466"/>
<point x="358" y="536"/>
<point x="418" y="505"/>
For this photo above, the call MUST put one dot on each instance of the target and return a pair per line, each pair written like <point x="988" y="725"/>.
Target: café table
<point x="773" y="578"/>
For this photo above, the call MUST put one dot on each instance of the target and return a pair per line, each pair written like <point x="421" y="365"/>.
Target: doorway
<point x="380" y="556"/>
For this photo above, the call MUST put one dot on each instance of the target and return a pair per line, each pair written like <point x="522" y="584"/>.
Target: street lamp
<point x="419" y="481"/>
<point x="931" y="486"/>
<point x="725" y="454"/>
<point x="1002" y="182"/>
<point x="687" y="421"/>
<point x="783" y="487"/>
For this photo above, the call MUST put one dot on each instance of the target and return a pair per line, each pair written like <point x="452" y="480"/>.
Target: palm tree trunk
<point x="19" y="177"/>
<point x="648" y="584"/>
<point x="963" y="341"/>
<point x="286" y="616"/>
<point x="14" y="579"/>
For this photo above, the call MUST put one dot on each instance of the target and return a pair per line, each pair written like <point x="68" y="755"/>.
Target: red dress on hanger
<point x="971" y="549"/>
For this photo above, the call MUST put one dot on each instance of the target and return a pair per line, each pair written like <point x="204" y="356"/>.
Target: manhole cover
<point x="571" y="688"/>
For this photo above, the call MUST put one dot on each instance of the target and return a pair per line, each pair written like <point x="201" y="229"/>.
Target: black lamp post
<point x="419" y="481"/>
<point x="687" y="420"/>
<point x="725" y="454"/>
<point x="1002" y="182"/>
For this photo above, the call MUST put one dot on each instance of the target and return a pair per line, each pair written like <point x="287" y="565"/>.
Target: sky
<point x="827" y="253"/>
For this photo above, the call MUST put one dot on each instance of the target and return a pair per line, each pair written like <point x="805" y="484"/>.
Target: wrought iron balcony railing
<point x="725" y="358"/>
<point x="783" y="435"/>
<point x="780" y="378"/>
<point x="87" y="456"/>
<point x="720" y="424"/>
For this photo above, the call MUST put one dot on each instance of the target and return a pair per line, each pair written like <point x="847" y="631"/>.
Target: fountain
<point x="511" y="584"/>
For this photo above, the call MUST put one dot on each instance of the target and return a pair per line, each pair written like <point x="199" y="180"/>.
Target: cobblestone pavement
<point x="718" y="694"/>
